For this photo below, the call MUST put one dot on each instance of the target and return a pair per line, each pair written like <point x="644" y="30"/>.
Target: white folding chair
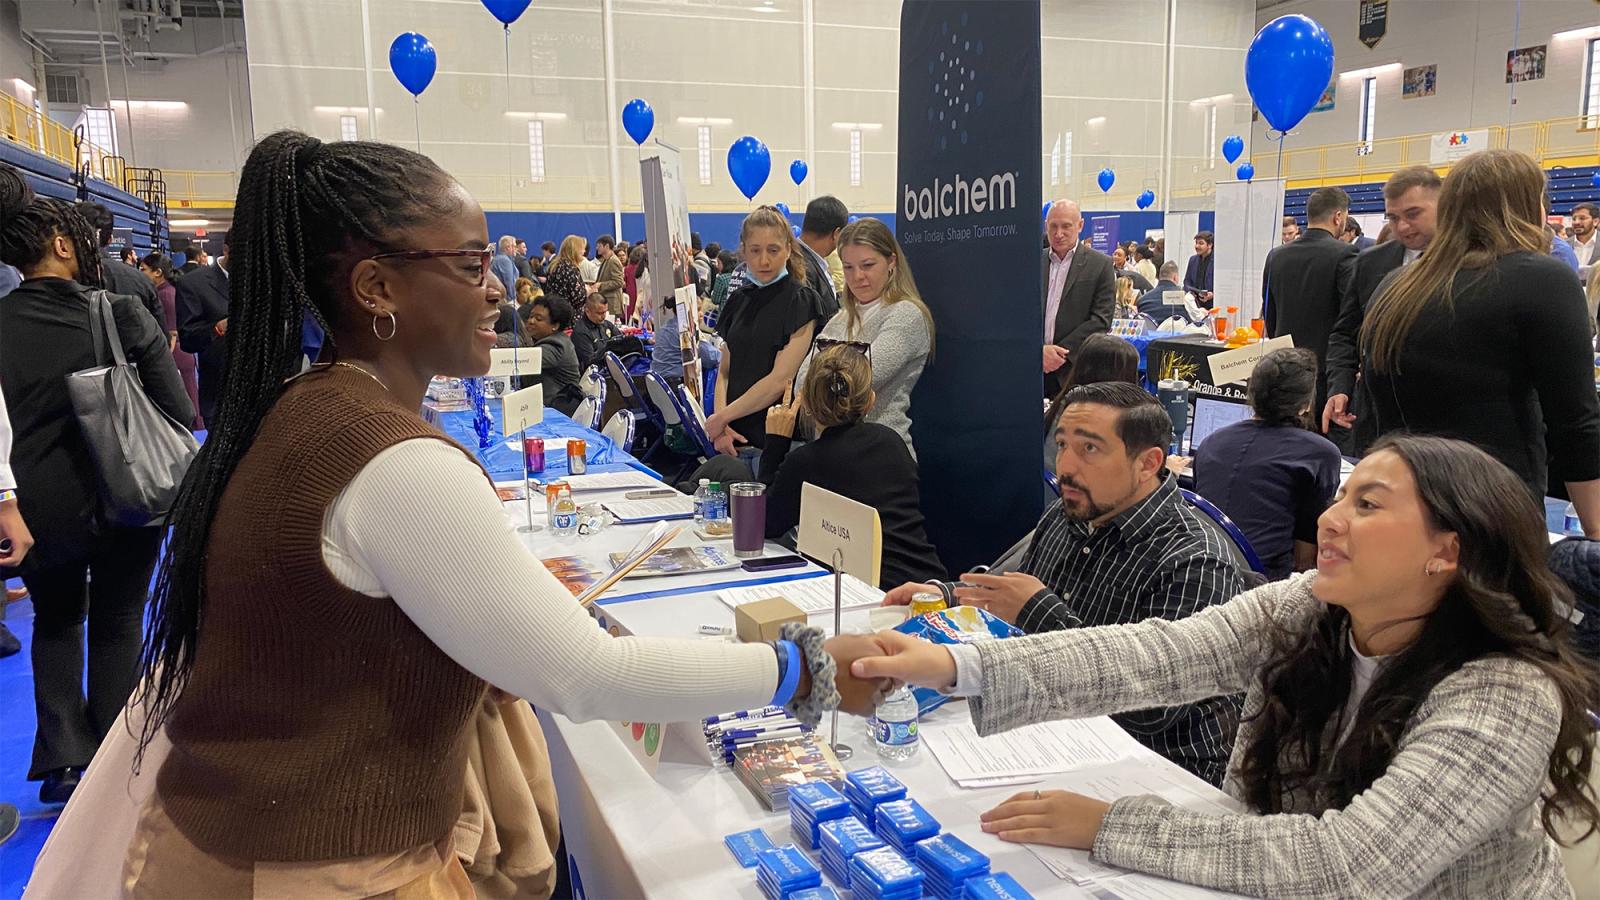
<point x="619" y="428"/>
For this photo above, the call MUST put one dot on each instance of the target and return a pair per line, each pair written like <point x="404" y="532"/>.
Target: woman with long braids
<point x="327" y="617"/>
<point x="1416" y="723"/>
<point x="77" y="565"/>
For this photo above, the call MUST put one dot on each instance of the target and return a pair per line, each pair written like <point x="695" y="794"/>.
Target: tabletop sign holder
<point x="1231" y="366"/>
<point x="850" y="535"/>
<point x="518" y="410"/>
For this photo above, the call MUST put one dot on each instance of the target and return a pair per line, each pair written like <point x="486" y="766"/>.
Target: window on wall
<point x="1066" y="157"/>
<point x="1055" y="162"/>
<point x="855" y="157"/>
<point x="1591" y="85"/>
<point x="1206" y="152"/>
<point x="101" y="128"/>
<point x="1366" y="127"/>
<point x="347" y="129"/>
<point x="703" y="143"/>
<point x="536" y="150"/>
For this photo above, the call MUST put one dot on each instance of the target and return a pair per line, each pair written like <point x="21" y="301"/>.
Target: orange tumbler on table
<point x="1221" y="325"/>
<point x="1259" y="326"/>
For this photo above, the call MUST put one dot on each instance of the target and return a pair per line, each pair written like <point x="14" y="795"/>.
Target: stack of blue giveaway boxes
<point x="949" y="862"/>
<point x="904" y="822"/>
<point x="867" y="788"/>
<point x="811" y="804"/>
<point x="998" y="886"/>
<point x="883" y="874"/>
<point x="785" y="870"/>
<point x="841" y="840"/>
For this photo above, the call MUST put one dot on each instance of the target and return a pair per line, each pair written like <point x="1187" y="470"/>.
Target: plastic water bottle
<point x="566" y="514"/>
<point x="701" y="495"/>
<point x="1571" y="525"/>
<point x="896" y="736"/>
<point x="716" y="502"/>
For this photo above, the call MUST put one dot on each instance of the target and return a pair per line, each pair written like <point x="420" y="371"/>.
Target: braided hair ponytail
<point x="29" y="222"/>
<point x="306" y="213"/>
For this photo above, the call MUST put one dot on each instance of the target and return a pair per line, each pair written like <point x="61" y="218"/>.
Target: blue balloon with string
<point x="783" y="208"/>
<point x="413" y="61"/>
<point x="1145" y="199"/>
<point x="1595" y="179"/>
<point x="749" y="163"/>
<point x="1106" y="179"/>
<point x="1232" y="148"/>
<point x="1246" y="172"/>
<point x="638" y="120"/>
<point x="1287" y="68"/>
<point x="1044" y="213"/>
<point x="798" y="171"/>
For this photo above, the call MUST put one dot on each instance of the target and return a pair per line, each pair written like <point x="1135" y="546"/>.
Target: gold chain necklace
<point x="345" y="365"/>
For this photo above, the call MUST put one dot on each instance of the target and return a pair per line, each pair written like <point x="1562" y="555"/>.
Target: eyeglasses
<point x="484" y="257"/>
<point x="861" y="347"/>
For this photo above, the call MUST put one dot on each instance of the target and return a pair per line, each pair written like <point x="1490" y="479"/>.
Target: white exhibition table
<point x="631" y="834"/>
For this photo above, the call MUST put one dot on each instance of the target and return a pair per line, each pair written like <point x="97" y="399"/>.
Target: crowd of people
<point x="1395" y="696"/>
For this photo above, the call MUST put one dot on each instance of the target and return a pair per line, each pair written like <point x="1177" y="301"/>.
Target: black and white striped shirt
<point x="1154" y="560"/>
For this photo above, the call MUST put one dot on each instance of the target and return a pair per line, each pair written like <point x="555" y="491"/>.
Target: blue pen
<point x="756" y="732"/>
<point x="744" y="714"/>
<point x="752" y="722"/>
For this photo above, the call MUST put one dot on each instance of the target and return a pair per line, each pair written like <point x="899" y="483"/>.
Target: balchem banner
<point x="968" y="218"/>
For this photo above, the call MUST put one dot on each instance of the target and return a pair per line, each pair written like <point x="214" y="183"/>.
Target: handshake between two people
<point x="871" y="665"/>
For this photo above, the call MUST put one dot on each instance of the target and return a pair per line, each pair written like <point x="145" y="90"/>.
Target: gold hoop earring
<point x="393" y="327"/>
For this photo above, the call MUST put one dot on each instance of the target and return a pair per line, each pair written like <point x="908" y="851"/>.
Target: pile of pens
<point x="730" y="731"/>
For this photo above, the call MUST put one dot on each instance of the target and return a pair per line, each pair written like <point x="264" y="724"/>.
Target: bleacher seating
<point x="50" y="178"/>
<point x="1568" y="187"/>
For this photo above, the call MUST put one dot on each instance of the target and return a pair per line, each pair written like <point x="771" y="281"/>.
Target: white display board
<point x="1180" y="228"/>
<point x="1249" y="225"/>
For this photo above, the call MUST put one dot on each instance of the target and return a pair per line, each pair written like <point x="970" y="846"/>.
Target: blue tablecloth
<point x="1142" y="342"/>
<point x="505" y="462"/>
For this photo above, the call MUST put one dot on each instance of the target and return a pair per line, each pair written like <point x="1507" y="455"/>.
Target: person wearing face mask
<point x="1410" y="202"/>
<point x="882" y="310"/>
<point x="1419" y="720"/>
<point x="1120" y="546"/>
<point x="286" y="579"/>
<point x="766" y="326"/>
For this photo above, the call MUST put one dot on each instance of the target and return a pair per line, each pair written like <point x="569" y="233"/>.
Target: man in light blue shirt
<point x="504" y="264"/>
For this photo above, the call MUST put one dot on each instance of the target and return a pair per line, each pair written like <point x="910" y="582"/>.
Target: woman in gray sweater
<point x="881" y="308"/>
<point x="1415" y="722"/>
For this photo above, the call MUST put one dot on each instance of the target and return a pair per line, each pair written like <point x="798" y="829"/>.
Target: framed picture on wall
<point x="1421" y="81"/>
<point x="1329" y="94"/>
<point x="1526" y="64"/>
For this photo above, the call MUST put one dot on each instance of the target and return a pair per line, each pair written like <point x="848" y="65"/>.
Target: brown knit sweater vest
<point x="317" y="723"/>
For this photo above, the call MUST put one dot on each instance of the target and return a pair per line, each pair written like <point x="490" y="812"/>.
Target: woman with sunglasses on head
<point x="883" y="309"/>
<point x="1416" y="722"/>
<point x="852" y="456"/>
<point x="323" y="626"/>
<point x="766" y="327"/>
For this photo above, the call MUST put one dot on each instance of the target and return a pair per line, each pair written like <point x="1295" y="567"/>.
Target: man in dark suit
<point x="118" y="276"/>
<point x="1410" y="201"/>
<point x="1153" y="302"/>
<point x="1080" y="292"/>
<point x="1202" y="273"/>
<point x="1305" y="281"/>
<point x="202" y="299"/>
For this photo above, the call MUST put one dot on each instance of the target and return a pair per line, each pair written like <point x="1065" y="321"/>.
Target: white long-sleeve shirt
<point x="460" y="573"/>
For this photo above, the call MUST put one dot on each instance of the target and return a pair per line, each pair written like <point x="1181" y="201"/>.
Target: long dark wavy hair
<point x="1501" y="601"/>
<point x="1102" y="357"/>
<point x="307" y="212"/>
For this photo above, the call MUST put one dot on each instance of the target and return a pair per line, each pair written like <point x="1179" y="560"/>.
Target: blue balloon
<point x="796" y="229"/>
<point x="1232" y="148"/>
<point x="638" y="120"/>
<point x="1145" y="199"/>
<point x="1044" y="213"/>
<point x="413" y="61"/>
<point x="783" y="208"/>
<point x="1287" y="69"/>
<point x="1246" y="172"/>
<point x="1595" y="179"/>
<point x="798" y="171"/>
<point x="749" y="162"/>
<point x="855" y="218"/>
<point x="506" y="11"/>
<point x="1107" y="179"/>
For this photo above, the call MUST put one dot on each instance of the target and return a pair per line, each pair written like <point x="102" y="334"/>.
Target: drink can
<point x="577" y="461"/>
<point x="533" y="454"/>
<point x="926" y="602"/>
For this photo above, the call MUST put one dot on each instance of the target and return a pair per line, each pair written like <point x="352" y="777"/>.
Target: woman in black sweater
<point x="78" y="566"/>
<point x="1486" y="337"/>
<point x="867" y="462"/>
